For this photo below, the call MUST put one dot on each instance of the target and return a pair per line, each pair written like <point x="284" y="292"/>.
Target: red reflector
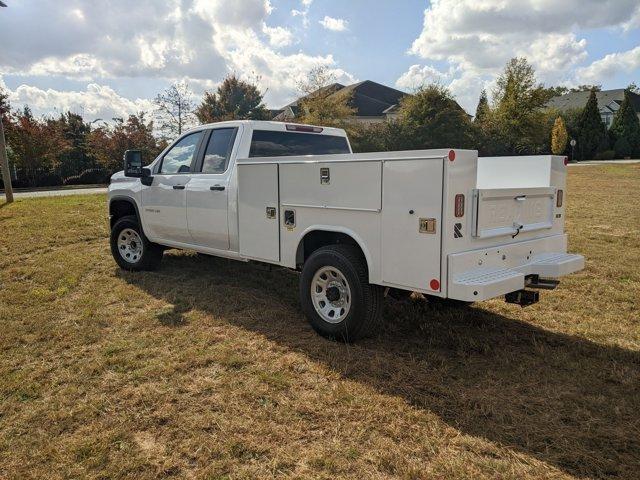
<point x="559" y="198"/>
<point x="452" y="155"/>
<point x="434" y="284"/>
<point x="566" y="160"/>
<point x="459" y="210"/>
<point x="303" y="128"/>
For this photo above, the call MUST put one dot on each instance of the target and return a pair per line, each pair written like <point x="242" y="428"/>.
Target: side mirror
<point x="133" y="163"/>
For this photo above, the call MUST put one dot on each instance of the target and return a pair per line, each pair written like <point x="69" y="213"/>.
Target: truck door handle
<point x="178" y="187"/>
<point x="217" y="188"/>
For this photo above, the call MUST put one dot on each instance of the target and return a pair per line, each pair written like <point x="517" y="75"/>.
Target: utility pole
<point x="4" y="162"/>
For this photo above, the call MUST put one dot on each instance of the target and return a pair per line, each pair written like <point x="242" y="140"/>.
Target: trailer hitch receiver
<point x="523" y="298"/>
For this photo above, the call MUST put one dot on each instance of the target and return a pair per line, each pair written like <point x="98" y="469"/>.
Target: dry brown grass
<point x="207" y="369"/>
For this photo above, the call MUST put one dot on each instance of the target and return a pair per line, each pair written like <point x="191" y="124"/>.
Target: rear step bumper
<point x="483" y="274"/>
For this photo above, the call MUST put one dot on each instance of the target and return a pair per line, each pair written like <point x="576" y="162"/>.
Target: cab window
<point x="179" y="158"/>
<point x="218" y="151"/>
<point x="265" y="143"/>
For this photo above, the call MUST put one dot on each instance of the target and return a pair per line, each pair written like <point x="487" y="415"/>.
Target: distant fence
<point x="45" y="177"/>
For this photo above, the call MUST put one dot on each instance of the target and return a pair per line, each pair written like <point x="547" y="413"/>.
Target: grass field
<point x="207" y="368"/>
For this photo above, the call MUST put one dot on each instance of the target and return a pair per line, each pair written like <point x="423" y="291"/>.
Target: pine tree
<point x="483" y="108"/>
<point x="626" y="129"/>
<point x="559" y="137"/>
<point x="591" y="130"/>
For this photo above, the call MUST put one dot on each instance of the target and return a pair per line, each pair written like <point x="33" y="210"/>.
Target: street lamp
<point x="573" y="144"/>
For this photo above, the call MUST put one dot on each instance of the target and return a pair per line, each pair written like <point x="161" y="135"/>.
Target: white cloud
<point x="476" y="38"/>
<point x="418" y="76"/>
<point x="97" y="101"/>
<point x="199" y="41"/>
<point x="303" y="13"/>
<point x="334" y="24"/>
<point x="278" y="36"/>
<point x="609" y="66"/>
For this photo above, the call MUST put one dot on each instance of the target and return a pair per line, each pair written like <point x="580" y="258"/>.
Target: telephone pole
<point x="4" y="163"/>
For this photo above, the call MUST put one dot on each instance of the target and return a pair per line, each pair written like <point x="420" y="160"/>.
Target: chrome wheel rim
<point x="331" y="294"/>
<point x="130" y="245"/>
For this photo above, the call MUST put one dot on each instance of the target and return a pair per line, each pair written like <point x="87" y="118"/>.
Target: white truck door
<point x="208" y="191"/>
<point x="164" y="202"/>
<point x="411" y="223"/>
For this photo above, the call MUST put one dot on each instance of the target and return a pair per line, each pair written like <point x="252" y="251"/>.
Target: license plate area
<point x="509" y="211"/>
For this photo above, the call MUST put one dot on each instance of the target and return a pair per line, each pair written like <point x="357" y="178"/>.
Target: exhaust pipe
<point x="523" y="298"/>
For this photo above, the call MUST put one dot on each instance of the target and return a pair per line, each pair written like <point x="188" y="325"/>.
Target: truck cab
<point x="444" y="223"/>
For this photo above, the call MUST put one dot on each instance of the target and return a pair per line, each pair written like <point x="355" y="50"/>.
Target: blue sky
<point x="110" y="59"/>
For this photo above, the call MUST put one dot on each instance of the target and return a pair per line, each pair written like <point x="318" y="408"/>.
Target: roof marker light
<point x="434" y="284"/>
<point x="303" y="128"/>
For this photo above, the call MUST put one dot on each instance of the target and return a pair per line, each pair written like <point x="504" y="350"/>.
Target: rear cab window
<point x="268" y="143"/>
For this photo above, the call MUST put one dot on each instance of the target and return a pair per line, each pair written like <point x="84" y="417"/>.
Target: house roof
<point x="577" y="100"/>
<point x="369" y="99"/>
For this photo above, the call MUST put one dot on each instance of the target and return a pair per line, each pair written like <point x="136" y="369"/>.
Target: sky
<point x="109" y="59"/>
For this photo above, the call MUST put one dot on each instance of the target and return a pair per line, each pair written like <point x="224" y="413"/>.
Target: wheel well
<point x="312" y="241"/>
<point x="121" y="208"/>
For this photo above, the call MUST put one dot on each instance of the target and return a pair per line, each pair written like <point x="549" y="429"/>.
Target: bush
<point x="605" y="155"/>
<point x="88" y="177"/>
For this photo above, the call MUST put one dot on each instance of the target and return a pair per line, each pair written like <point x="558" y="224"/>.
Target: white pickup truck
<point x="444" y="223"/>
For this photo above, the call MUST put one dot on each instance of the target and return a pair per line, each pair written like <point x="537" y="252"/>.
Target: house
<point x="609" y="101"/>
<point x="372" y="102"/>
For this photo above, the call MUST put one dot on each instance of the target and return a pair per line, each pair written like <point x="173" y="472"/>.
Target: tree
<point x="108" y="144"/>
<point x="517" y="123"/>
<point x="559" y="137"/>
<point x="323" y="102"/>
<point x="434" y="119"/>
<point x="551" y="92"/>
<point x="591" y="130"/>
<point x="233" y="100"/>
<point x="76" y="131"/>
<point x="36" y="145"/>
<point x="625" y="129"/>
<point x="633" y="88"/>
<point x="482" y="110"/>
<point x="174" y="109"/>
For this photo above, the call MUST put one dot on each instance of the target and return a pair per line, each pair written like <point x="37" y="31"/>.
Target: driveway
<point x="60" y="192"/>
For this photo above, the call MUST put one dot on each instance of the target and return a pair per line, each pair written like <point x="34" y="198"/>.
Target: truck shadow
<point x="562" y="399"/>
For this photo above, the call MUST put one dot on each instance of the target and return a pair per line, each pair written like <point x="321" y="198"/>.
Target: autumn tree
<point x="234" y="99"/>
<point x="625" y="129"/>
<point x="324" y="102"/>
<point x="76" y="132"/>
<point x="559" y="137"/>
<point x="36" y="145"/>
<point x="174" y="109"/>
<point x="108" y="143"/>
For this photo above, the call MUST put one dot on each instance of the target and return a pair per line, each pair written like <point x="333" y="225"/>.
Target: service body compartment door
<point x="411" y="223"/>
<point x="258" y="212"/>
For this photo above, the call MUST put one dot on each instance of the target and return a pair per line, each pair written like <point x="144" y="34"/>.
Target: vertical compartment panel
<point x="258" y="232"/>
<point x="412" y="190"/>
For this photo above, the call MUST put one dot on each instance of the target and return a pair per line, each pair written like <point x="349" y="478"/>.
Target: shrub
<point x="605" y="155"/>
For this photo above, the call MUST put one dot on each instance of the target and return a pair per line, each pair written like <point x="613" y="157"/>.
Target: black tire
<point x="150" y="255"/>
<point x="365" y="313"/>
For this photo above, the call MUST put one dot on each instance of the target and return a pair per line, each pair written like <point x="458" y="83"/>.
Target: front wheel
<point x="130" y="248"/>
<point x="336" y="295"/>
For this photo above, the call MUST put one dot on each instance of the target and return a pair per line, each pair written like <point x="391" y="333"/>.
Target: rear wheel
<point x="130" y="248"/>
<point x="336" y="295"/>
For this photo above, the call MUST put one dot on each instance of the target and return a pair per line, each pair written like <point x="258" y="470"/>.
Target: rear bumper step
<point x="486" y="282"/>
<point x="523" y="298"/>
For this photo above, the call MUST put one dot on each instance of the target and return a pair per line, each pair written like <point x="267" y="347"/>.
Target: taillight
<point x="566" y="160"/>
<point x="559" y="198"/>
<point x="303" y="128"/>
<point x="459" y="210"/>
